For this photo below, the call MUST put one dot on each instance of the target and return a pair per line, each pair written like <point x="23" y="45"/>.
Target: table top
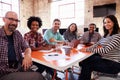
<point x="58" y="60"/>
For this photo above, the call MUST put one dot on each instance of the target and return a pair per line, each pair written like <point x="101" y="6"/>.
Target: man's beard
<point x="12" y="27"/>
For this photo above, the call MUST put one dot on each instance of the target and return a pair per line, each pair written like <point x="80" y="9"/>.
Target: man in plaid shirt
<point x="12" y="45"/>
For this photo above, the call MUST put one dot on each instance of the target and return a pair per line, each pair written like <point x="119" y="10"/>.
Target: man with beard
<point x="12" y="45"/>
<point x="90" y="36"/>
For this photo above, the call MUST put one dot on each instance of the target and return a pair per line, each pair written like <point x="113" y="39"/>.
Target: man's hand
<point x="51" y="40"/>
<point x="27" y="62"/>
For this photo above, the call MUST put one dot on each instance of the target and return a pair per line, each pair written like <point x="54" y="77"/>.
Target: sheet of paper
<point x="46" y="50"/>
<point x="80" y="46"/>
<point x="54" y="56"/>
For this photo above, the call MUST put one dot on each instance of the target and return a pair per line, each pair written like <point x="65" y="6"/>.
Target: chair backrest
<point x="86" y="29"/>
<point x="43" y="31"/>
<point x="62" y="31"/>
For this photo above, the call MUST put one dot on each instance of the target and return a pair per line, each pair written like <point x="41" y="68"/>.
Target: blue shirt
<point x="49" y="34"/>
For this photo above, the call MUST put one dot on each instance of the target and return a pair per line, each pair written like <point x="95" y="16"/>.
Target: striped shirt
<point x="110" y="48"/>
<point x="19" y="45"/>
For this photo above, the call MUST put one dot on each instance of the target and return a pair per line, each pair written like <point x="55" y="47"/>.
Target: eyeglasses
<point x="12" y="19"/>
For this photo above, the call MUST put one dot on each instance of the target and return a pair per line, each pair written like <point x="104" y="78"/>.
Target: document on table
<point x="47" y="51"/>
<point x="80" y="46"/>
<point x="54" y="56"/>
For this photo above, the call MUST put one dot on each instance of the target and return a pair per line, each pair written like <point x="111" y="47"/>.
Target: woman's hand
<point x="83" y="50"/>
<point x="75" y="43"/>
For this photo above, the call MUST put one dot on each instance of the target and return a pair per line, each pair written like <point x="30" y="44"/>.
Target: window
<point x="68" y="11"/>
<point x="65" y="8"/>
<point x="8" y="5"/>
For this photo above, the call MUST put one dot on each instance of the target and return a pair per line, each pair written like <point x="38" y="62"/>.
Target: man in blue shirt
<point x="52" y="36"/>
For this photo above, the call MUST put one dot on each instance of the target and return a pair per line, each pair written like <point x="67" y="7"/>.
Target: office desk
<point x="58" y="63"/>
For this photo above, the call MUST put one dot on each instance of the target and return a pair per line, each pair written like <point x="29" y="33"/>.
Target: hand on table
<point x="83" y="50"/>
<point x="74" y="43"/>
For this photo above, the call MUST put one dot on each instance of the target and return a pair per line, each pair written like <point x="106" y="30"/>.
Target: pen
<point x="53" y="55"/>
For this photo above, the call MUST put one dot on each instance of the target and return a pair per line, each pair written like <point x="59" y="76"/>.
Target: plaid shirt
<point x="34" y="39"/>
<point x="19" y="45"/>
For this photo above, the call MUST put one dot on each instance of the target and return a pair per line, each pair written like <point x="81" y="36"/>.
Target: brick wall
<point x="89" y="12"/>
<point x="26" y="10"/>
<point x="41" y="8"/>
<point x="29" y="8"/>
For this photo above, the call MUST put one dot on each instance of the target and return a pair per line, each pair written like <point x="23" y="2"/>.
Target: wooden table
<point x="59" y="61"/>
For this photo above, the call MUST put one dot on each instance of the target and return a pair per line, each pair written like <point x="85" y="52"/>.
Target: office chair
<point x="43" y="31"/>
<point x="62" y="31"/>
<point x="86" y="29"/>
<point x="105" y="76"/>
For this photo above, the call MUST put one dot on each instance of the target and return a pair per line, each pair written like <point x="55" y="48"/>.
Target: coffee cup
<point x="66" y="50"/>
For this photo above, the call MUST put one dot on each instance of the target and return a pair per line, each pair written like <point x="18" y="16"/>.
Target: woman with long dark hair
<point x="71" y="32"/>
<point x="113" y="30"/>
<point x="107" y="51"/>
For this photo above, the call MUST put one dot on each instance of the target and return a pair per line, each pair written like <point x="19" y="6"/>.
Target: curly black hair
<point x="33" y="18"/>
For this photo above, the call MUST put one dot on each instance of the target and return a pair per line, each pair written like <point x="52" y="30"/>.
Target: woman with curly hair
<point x="36" y="42"/>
